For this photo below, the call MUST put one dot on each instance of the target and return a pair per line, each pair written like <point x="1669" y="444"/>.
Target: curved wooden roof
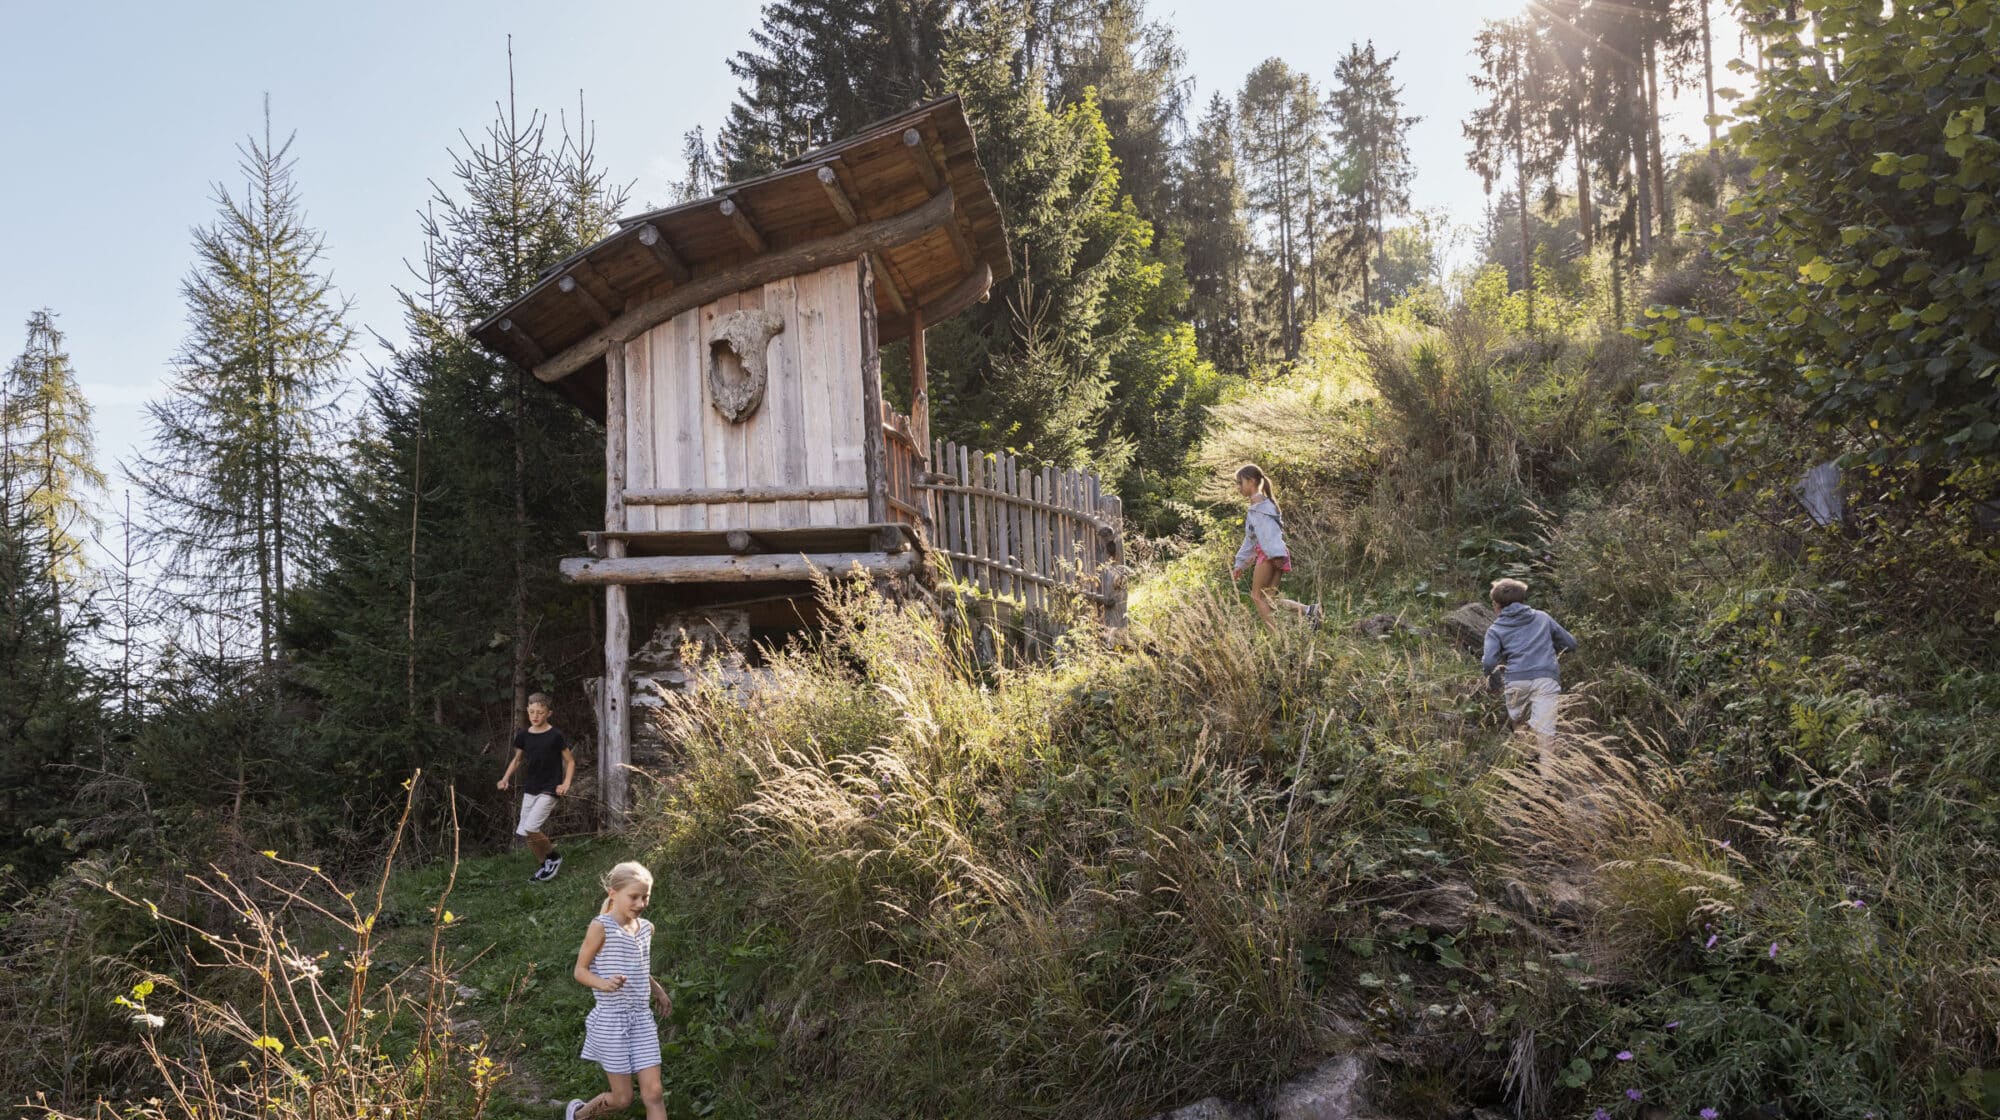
<point x="909" y="190"/>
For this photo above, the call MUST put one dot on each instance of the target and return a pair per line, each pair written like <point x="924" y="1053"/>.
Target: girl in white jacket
<point x="1263" y="550"/>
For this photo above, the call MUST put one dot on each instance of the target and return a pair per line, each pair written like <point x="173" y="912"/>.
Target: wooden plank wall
<point x="808" y="433"/>
<point x="1021" y="533"/>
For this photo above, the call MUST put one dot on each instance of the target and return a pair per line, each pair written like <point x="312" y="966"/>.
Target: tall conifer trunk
<point x="1662" y="202"/>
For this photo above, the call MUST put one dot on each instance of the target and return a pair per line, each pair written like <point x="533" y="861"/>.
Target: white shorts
<point x="535" y="810"/>
<point x="1535" y="699"/>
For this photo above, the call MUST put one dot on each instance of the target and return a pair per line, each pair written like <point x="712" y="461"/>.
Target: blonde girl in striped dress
<point x="616" y="963"/>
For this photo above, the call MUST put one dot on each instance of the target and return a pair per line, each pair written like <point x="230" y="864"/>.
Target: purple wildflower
<point x="1634" y="1094"/>
<point x="1600" y="1114"/>
<point x="1624" y="1055"/>
<point x="1709" y="1114"/>
<point x="1674" y="1024"/>
<point x="1711" y="940"/>
<point x="1774" y="950"/>
<point x="1725" y="843"/>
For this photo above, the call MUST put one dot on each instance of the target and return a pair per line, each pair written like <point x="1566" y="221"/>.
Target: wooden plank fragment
<point x="849" y="416"/>
<point x="638" y="412"/>
<point x="788" y="381"/>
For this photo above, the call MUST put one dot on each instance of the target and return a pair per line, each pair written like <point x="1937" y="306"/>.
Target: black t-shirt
<point x="541" y="759"/>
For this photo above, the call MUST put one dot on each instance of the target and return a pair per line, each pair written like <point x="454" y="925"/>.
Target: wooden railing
<point x="1024" y="534"/>
<point x="904" y="457"/>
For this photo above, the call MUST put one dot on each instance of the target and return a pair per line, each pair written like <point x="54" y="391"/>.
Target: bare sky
<point x="117" y="119"/>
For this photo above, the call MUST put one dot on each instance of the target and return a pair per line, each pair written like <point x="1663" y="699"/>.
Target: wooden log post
<point x="874" y="446"/>
<point x="920" y="381"/>
<point x="614" y="737"/>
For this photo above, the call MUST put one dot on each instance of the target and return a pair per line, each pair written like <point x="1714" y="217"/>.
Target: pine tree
<point x="244" y="444"/>
<point x="1372" y="133"/>
<point x="45" y="430"/>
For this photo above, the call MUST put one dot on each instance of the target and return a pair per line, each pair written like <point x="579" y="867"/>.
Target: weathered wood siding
<point x="808" y="435"/>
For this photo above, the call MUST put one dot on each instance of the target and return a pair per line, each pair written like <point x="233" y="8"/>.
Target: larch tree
<point x="244" y="445"/>
<point x="45" y="432"/>
<point x="1372" y="132"/>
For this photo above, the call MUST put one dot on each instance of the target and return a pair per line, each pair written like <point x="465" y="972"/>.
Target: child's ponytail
<point x="622" y="876"/>
<point x="1256" y="474"/>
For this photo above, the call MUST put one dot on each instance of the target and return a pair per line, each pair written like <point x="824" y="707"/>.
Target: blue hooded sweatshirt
<point x="1527" y="640"/>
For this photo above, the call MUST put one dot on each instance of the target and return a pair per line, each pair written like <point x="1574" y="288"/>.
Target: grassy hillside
<point x="1757" y="875"/>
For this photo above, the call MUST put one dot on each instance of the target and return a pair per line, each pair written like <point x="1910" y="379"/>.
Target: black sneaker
<point x="550" y="866"/>
<point x="543" y="873"/>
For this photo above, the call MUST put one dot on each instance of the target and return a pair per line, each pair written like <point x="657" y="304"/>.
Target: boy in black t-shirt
<point x="542" y="756"/>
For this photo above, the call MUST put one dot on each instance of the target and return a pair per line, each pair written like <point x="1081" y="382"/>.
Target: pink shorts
<point x="1283" y="563"/>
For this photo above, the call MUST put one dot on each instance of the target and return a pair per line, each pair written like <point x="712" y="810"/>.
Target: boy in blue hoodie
<point x="1527" y="641"/>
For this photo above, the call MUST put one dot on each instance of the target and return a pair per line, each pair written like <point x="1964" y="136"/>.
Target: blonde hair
<point x="541" y="698"/>
<point x="622" y="876"/>
<point x="1509" y="591"/>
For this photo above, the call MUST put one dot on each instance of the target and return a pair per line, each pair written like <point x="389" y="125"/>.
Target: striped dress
<point x="620" y="1033"/>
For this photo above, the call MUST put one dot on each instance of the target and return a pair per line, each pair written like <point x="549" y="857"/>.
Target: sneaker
<point x="552" y="865"/>
<point x="574" y="1108"/>
<point x="542" y="874"/>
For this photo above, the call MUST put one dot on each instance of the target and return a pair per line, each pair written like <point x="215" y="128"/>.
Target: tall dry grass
<point x="285" y="1017"/>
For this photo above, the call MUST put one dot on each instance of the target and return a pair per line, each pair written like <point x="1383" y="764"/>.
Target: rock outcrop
<point x="1467" y="625"/>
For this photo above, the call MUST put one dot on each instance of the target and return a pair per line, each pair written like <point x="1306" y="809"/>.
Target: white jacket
<point x="1262" y="528"/>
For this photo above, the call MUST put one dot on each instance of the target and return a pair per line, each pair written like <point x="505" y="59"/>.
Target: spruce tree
<point x="822" y="69"/>
<point x="440" y="604"/>
<point x="47" y="699"/>
<point x="521" y="201"/>
<point x="1278" y="132"/>
<point x="1136" y="71"/>
<point x="1513" y="130"/>
<point x="245" y="444"/>
<point x="1372" y="133"/>
<point x="1217" y="241"/>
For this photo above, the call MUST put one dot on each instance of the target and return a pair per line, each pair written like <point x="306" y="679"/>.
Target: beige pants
<point x="1536" y="700"/>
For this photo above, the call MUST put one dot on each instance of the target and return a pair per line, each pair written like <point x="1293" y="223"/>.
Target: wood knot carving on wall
<point x="737" y="371"/>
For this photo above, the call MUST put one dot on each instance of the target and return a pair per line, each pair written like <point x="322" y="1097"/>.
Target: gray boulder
<point x="1214" y="1108"/>
<point x="1467" y="625"/>
<point x="1335" y="1090"/>
<point x="1381" y="626"/>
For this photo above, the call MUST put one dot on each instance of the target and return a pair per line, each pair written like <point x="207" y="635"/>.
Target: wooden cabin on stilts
<point x="731" y="345"/>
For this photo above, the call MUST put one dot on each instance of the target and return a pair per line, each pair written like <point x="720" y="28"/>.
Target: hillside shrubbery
<point x="1184" y="866"/>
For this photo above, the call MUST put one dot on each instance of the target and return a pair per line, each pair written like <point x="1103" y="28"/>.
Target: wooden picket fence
<point x="1035" y="536"/>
